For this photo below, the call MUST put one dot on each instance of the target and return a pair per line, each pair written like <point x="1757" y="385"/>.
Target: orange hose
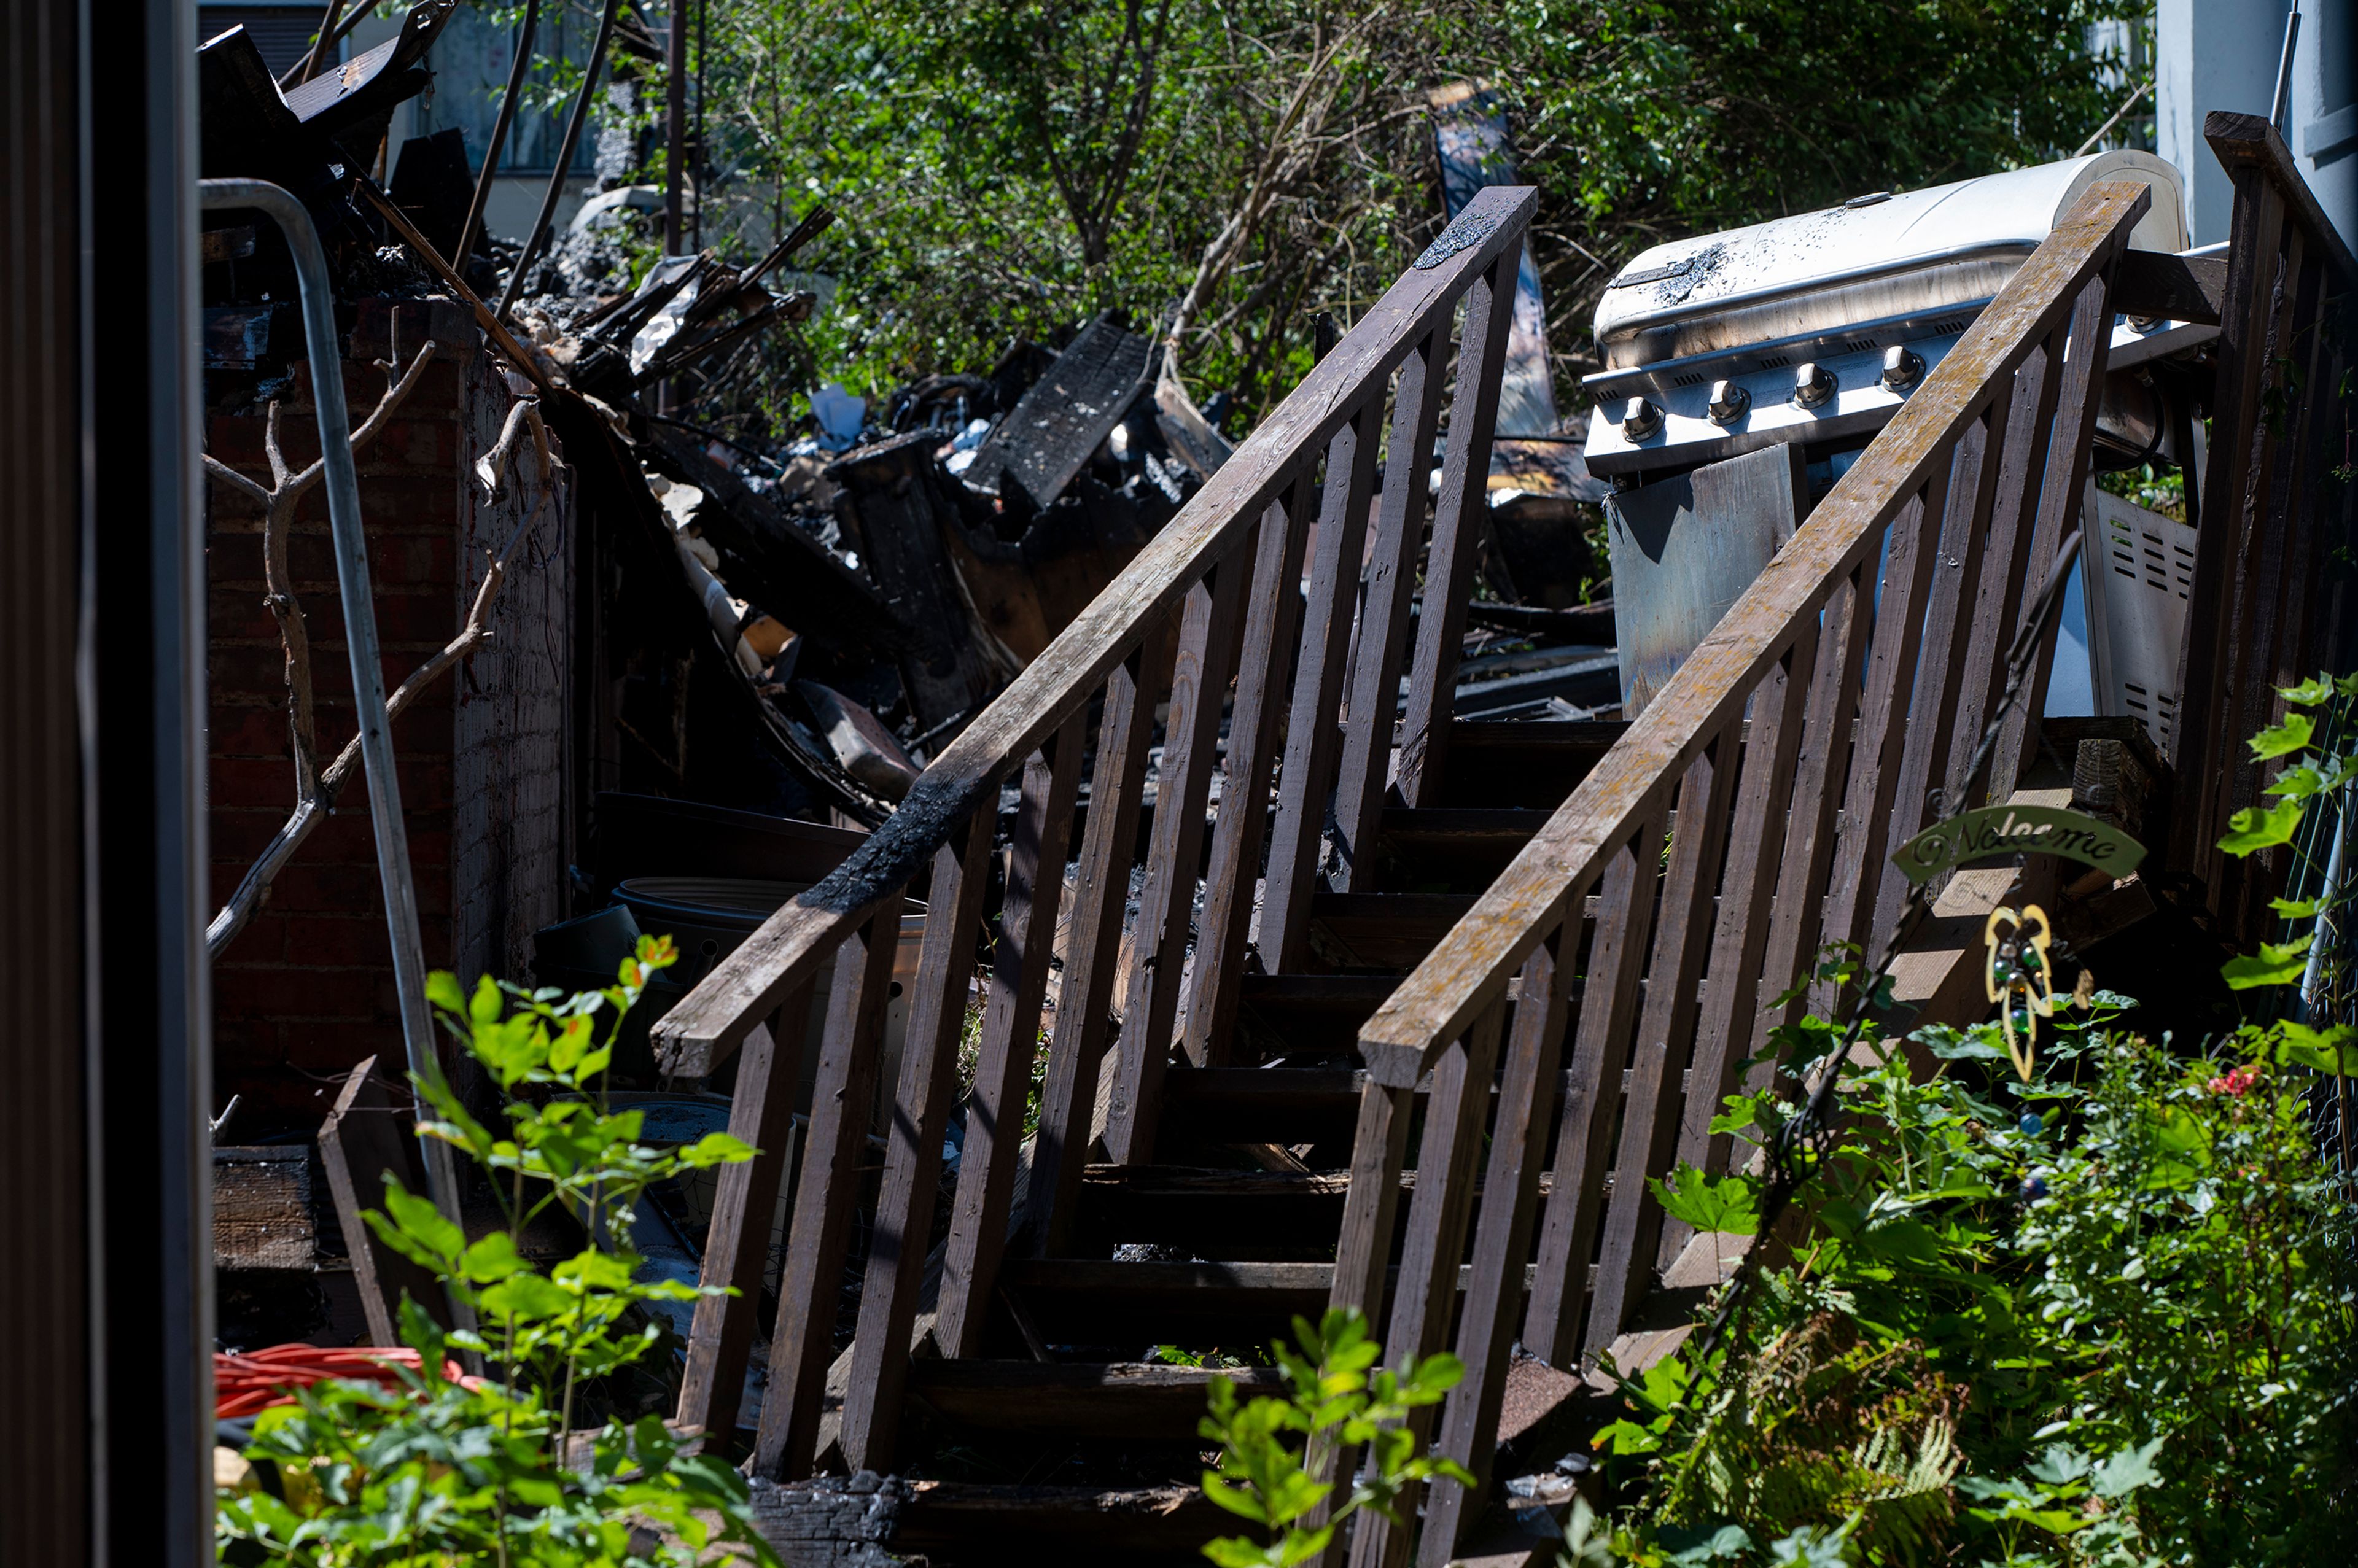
<point x="255" y="1380"/>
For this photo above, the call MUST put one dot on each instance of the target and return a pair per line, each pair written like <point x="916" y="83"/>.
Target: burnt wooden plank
<point x="2157" y="286"/>
<point x="1384" y="619"/>
<point x="1382" y="930"/>
<point x="1256" y="733"/>
<point x="1015" y="986"/>
<point x="737" y="1241"/>
<point x="1208" y="630"/>
<point x="1313" y="736"/>
<point x="366" y="1138"/>
<point x="1459" y="515"/>
<point x="913" y="1156"/>
<point x="842" y="1098"/>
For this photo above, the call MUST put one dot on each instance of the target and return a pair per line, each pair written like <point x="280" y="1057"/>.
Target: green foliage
<point x="2105" y="1316"/>
<point x="1335" y="1403"/>
<point x="488" y="1470"/>
<point x="2315" y="743"/>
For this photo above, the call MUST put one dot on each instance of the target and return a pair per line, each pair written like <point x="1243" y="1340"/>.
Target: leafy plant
<point x="1335" y="1404"/>
<point x="491" y="1470"/>
<point x="2103" y="1316"/>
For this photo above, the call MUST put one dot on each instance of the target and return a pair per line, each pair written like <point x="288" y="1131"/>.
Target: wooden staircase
<point x="1404" y="1023"/>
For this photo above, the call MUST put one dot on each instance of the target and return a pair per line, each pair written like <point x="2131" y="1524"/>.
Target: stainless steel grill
<point x="1814" y="329"/>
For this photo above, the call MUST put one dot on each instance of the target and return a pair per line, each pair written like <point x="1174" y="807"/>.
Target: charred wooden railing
<point x="2264" y="611"/>
<point x="1797" y="744"/>
<point x="1217" y="598"/>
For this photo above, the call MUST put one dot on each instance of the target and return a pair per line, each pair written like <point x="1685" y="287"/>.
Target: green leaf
<point x="1730" y="1205"/>
<point x="716" y="1149"/>
<point x="2252" y="829"/>
<point x="2332" y="1050"/>
<point x="2296" y="908"/>
<point x="2276" y="964"/>
<point x="2127" y="1470"/>
<point x="2309" y="693"/>
<point x="2297" y="783"/>
<point x="491" y="1258"/>
<point x="442" y="990"/>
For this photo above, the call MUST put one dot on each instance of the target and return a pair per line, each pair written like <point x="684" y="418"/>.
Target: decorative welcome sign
<point x="1994" y="830"/>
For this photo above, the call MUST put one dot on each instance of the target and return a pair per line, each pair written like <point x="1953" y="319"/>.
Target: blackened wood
<point x="1010" y="1040"/>
<point x="2159" y="287"/>
<point x="1068" y="1100"/>
<point x="1208" y="629"/>
<point x="843" y="1098"/>
<point x="1384" y="619"/>
<point x="1130" y="1402"/>
<point x="1255" y="731"/>
<point x="1313" y="737"/>
<point x="1609" y="1008"/>
<point x="745" y="1204"/>
<point x="1459" y="515"/>
<point x="912" y="1156"/>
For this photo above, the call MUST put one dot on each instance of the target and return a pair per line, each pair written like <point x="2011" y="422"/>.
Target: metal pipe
<point x="360" y="636"/>
<point x="532" y="243"/>
<point x="516" y="69"/>
<point x="2281" y="104"/>
<point x="675" y="129"/>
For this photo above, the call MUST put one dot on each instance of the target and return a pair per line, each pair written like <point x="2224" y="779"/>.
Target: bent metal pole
<point x="320" y="340"/>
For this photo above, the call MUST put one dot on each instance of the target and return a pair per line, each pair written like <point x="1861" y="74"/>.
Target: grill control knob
<point x="1813" y="386"/>
<point x="1641" y="419"/>
<point x="1729" y="403"/>
<point x="1902" y="368"/>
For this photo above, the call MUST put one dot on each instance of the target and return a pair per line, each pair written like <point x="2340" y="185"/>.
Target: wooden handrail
<point x="1469" y="969"/>
<point x="790" y="949"/>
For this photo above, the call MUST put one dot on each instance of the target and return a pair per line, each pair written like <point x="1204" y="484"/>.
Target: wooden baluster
<point x="1255" y="733"/>
<point x="2261" y="591"/>
<point x="1010" y="1041"/>
<point x="1313" y="735"/>
<point x="1458" y="518"/>
<point x="1108" y="845"/>
<point x="737" y="1244"/>
<point x="1608" y="1013"/>
<point x="1764" y="793"/>
<point x="2062" y="492"/>
<point x="1650" y="1124"/>
<point x="2005" y="556"/>
<point x="1940" y="674"/>
<point x="1817" y="797"/>
<point x="843" y="1103"/>
<point x="1383" y="622"/>
<point x="913" y="1159"/>
<point x="2203" y="749"/>
<point x="1892" y="656"/>
<point x="1503" y="1238"/>
<point x="1210" y="623"/>
<point x="1425" y="1306"/>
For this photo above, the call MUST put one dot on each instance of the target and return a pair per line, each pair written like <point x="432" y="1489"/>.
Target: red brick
<point x="337" y="941"/>
<point x="232" y="667"/>
<point x="250" y="731"/>
<point x="262" y="941"/>
<point x="238" y="837"/>
<point x="301" y="888"/>
<point x="343" y="1047"/>
<point x="251" y="782"/>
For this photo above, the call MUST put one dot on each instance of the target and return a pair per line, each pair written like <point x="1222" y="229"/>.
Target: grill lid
<point x="1879" y="259"/>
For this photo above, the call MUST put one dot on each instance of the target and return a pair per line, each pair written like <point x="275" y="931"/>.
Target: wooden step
<point x="1295" y="1015"/>
<point x="1529" y="763"/>
<point x="956" y="1524"/>
<point x="1273" y="1105"/>
<point x="1382" y="930"/>
<point x="1451" y="849"/>
<point x="1243" y="1215"/>
<point x="1084" y="1301"/>
<point x="1137" y="1400"/>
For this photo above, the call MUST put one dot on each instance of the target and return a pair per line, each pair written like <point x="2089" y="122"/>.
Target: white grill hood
<point x="1837" y="289"/>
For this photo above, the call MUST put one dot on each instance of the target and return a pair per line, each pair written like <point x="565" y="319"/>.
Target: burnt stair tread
<point x="1382" y="930"/>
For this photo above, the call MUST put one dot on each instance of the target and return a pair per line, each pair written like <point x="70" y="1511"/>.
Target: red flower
<point x="2236" y="1081"/>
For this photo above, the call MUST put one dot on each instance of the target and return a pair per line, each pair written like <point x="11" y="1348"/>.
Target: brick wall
<point x="307" y="990"/>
